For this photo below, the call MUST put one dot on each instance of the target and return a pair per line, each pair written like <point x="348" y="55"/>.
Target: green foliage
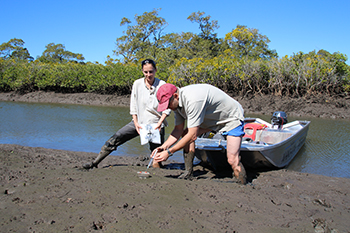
<point x="145" y="38"/>
<point x="14" y="49"/>
<point x="68" y="77"/>
<point x="141" y="39"/>
<point x="247" y="42"/>
<point x="298" y="75"/>
<point x="57" y="53"/>
<point x="241" y="63"/>
<point x="206" y="26"/>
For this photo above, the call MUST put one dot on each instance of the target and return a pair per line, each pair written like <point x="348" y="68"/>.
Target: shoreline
<point x="319" y="106"/>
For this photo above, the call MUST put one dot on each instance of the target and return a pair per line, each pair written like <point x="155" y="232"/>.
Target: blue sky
<point x="91" y="27"/>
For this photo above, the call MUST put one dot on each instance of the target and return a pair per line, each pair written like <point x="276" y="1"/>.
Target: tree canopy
<point x="245" y="41"/>
<point x="57" y="53"/>
<point x="206" y="26"/>
<point x="147" y="38"/>
<point x="142" y="39"/>
<point x="14" y="49"/>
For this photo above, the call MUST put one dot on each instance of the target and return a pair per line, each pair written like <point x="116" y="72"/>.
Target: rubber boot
<point x="188" y="174"/>
<point x="103" y="154"/>
<point x="242" y="175"/>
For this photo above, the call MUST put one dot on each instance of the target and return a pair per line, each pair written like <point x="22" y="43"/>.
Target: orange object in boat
<point x="252" y="127"/>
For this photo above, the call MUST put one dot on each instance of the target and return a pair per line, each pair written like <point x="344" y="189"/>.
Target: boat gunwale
<point x="264" y="147"/>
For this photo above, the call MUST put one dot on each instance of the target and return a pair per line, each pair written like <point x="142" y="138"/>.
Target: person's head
<point x="167" y="97"/>
<point x="149" y="69"/>
<point x="148" y="61"/>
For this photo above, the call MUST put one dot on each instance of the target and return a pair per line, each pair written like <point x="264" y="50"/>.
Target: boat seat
<point x="250" y="129"/>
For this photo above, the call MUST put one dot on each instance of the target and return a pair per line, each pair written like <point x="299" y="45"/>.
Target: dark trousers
<point x="125" y="134"/>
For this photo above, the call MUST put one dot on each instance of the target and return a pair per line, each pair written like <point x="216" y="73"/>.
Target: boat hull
<point x="282" y="148"/>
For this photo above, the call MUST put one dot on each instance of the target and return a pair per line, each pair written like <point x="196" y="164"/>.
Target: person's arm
<point x="172" y="139"/>
<point x="133" y="102"/>
<point x="189" y="137"/>
<point x="161" y="119"/>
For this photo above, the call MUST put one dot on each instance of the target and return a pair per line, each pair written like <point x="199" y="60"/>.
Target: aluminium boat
<point x="265" y="146"/>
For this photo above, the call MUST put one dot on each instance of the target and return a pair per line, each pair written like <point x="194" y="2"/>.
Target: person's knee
<point x="187" y="150"/>
<point x="117" y="137"/>
<point x="233" y="160"/>
<point x="108" y="147"/>
<point x="111" y="143"/>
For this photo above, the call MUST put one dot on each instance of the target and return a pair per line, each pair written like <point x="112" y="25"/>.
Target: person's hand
<point x="155" y="151"/>
<point x="161" y="156"/>
<point x="158" y="126"/>
<point x="137" y="127"/>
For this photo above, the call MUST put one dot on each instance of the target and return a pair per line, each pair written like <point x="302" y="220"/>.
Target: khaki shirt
<point x="208" y="107"/>
<point x="144" y="103"/>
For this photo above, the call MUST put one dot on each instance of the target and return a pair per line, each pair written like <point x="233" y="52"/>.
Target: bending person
<point x="143" y="108"/>
<point x="206" y="108"/>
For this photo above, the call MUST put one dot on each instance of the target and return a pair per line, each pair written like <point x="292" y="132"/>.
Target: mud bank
<point x="44" y="190"/>
<point x="319" y="106"/>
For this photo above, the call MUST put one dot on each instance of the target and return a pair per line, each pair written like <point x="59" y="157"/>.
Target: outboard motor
<point x="278" y="119"/>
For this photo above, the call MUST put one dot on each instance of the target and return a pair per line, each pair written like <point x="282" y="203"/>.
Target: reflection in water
<point x="86" y="128"/>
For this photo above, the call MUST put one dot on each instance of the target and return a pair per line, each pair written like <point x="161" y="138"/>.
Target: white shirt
<point x="144" y="103"/>
<point x="208" y="107"/>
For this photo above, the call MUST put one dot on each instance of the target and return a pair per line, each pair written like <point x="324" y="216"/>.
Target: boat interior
<point x="259" y="131"/>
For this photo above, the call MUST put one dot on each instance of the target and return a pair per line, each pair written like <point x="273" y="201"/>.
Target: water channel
<point x="86" y="128"/>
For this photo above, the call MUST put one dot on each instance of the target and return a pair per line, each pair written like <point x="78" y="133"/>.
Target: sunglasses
<point x="148" y="61"/>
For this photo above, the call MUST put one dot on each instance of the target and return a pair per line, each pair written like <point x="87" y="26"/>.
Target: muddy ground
<point x="45" y="190"/>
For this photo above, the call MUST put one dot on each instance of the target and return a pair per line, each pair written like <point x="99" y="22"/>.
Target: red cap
<point x="163" y="96"/>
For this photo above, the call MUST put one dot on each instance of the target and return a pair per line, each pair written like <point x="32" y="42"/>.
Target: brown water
<point x="86" y="128"/>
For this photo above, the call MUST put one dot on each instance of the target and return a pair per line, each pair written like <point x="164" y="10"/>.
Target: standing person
<point x="206" y="108"/>
<point x="143" y="108"/>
